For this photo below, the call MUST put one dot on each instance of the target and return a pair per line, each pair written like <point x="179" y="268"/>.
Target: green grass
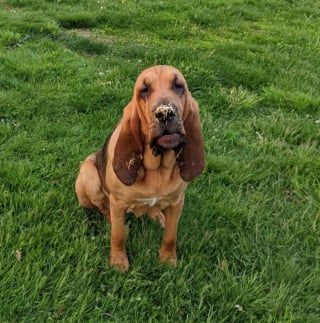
<point x="249" y="237"/>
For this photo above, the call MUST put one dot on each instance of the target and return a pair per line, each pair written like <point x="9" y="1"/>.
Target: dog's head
<point x="163" y="115"/>
<point x="160" y="93"/>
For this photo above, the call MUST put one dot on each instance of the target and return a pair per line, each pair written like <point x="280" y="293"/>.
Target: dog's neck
<point x="167" y="159"/>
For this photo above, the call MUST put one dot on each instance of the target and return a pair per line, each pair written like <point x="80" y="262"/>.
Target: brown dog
<point x="147" y="161"/>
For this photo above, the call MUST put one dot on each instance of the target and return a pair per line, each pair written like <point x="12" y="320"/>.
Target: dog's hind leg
<point x="89" y="189"/>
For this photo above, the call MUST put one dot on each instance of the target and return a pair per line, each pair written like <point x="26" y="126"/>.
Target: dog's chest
<point x="149" y="201"/>
<point x="140" y="206"/>
<point x="159" y="186"/>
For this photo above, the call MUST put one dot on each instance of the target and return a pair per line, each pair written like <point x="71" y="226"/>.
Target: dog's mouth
<point x="167" y="141"/>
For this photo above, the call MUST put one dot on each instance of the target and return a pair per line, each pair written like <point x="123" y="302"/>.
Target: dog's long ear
<point x="128" y="152"/>
<point x="191" y="160"/>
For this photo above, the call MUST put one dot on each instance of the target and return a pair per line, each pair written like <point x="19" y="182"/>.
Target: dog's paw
<point x="168" y="257"/>
<point x="120" y="262"/>
<point x="160" y="218"/>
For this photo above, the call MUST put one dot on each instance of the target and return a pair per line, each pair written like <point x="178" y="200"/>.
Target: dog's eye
<point x="144" y="91"/>
<point x="178" y="87"/>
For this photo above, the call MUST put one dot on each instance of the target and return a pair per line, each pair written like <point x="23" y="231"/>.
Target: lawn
<point x="249" y="236"/>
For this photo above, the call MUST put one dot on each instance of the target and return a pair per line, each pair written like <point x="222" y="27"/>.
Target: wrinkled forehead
<point x="159" y="73"/>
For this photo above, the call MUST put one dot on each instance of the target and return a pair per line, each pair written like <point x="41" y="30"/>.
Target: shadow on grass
<point x="95" y="221"/>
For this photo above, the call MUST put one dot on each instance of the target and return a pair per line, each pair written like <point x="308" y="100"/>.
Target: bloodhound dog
<point x="147" y="161"/>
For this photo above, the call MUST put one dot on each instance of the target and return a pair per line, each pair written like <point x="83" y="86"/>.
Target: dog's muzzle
<point x="170" y="133"/>
<point x="165" y="113"/>
<point x="170" y="141"/>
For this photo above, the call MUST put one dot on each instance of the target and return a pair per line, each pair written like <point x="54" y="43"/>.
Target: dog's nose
<point x="165" y="113"/>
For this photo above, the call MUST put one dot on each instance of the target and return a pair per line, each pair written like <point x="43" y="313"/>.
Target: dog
<point x="147" y="161"/>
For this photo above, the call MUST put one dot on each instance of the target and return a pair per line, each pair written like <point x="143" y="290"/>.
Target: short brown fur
<point x="147" y="161"/>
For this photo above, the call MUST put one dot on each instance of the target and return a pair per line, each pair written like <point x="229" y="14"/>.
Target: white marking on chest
<point x="150" y="202"/>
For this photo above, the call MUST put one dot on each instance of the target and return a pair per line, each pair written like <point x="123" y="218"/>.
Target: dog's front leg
<point x="168" y="249"/>
<point x="118" y="256"/>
